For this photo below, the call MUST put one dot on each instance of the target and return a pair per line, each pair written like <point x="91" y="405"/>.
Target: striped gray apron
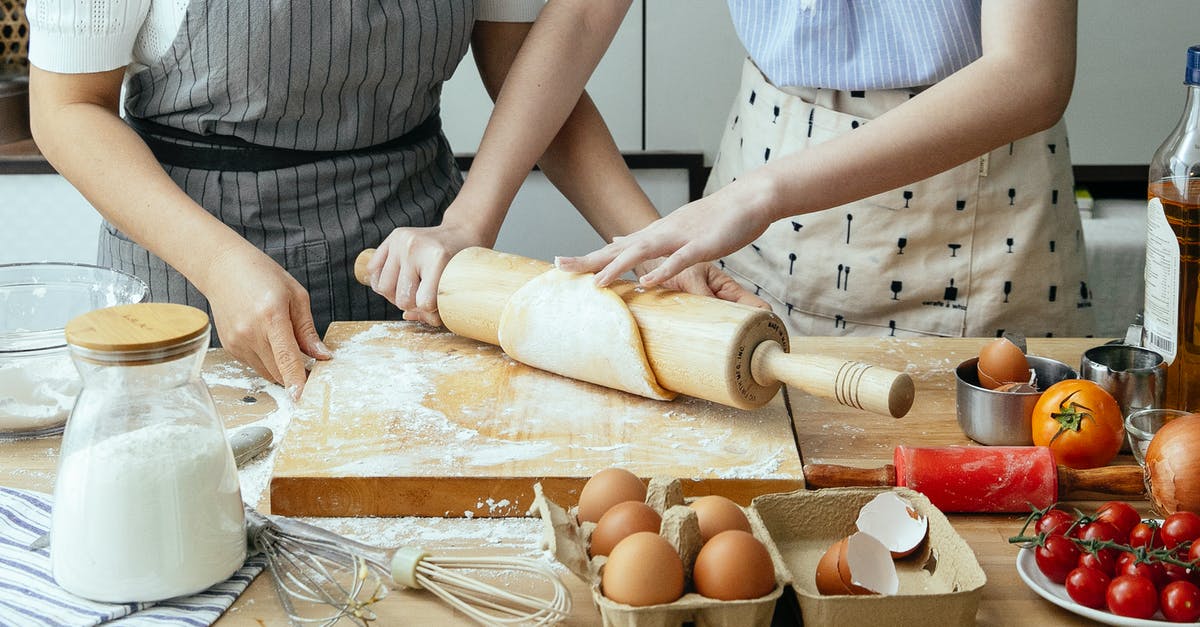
<point x="337" y="76"/>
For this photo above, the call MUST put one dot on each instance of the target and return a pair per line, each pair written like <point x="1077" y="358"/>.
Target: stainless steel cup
<point x="1002" y="418"/>
<point x="1135" y="376"/>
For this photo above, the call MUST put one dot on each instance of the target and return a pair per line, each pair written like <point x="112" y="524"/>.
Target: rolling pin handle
<point x="851" y="383"/>
<point x="1114" y="481"/>
<point x="833" y="476"/>
<point x="360" y="266"/>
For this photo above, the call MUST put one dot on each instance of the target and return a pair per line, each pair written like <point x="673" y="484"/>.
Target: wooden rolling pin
<point x="983" y="478"/>
<point x="704" y="347"/>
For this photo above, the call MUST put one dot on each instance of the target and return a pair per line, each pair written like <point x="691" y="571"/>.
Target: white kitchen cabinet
<point x="45" y="219"/>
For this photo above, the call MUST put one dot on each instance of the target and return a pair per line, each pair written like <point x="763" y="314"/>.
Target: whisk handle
<point x="404" y="566"/>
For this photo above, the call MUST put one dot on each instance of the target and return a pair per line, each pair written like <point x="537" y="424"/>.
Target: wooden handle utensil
<point x="984" y="478"/>
<point x="704" y="347"/>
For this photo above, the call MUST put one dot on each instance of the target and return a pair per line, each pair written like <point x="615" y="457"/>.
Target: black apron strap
<point x="177" y="147"/>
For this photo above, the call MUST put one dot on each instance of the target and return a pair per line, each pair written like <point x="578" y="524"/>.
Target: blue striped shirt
<point x="858" y="44"/>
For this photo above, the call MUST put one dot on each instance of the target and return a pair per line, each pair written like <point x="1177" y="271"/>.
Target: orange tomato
<point x="1080" y="422"/>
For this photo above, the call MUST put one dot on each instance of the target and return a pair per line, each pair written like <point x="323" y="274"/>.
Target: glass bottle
<point x="147" y="504"/>
<point x="1172" y="307"/>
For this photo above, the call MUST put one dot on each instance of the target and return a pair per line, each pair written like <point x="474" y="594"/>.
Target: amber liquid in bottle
<point x="1181" y="203"/>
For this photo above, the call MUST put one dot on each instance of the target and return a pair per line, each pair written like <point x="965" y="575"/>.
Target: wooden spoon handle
<point x="852" y="383"/>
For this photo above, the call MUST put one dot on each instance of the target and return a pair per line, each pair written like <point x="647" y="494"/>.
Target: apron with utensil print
<point x="310" y="128"/>
<point x="989" y="246"/>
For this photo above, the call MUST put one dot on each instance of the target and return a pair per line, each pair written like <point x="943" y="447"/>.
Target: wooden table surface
<point x="828" y="433"/>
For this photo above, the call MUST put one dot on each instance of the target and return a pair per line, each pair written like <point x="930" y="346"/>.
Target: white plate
<point x="1057" y="594"/>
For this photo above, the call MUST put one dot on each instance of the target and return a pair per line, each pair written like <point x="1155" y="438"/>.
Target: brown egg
<point x="607" y="488"/>
<point x="716" y="514"/>
<point x="643" y="569"/>
<point x="1000" y="362"/>
<point x="734" y="565"/>
<point x="621" y="520"/>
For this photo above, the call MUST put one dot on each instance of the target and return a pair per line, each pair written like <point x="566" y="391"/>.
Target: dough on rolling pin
<point x="561" y="322"/>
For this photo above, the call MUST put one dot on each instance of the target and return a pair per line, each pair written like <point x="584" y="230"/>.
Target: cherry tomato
<point x="1104" y="560"/>
<point x="1056" y="558"/>
<point x="1087" y="586"/>
<point x="1180" y="527"/>
<point x="1121" y="515"/>
<point x="1100" y="530"/>
<point x="1145" y="534"/>
<point x="1180" y="602"/>
<point x="1127" y="564"/>
<point x="1055" y="521"/>
<point x="1080" y="422"/>
<point x="1175" y="572"/>
<point x="1130" y="595"/>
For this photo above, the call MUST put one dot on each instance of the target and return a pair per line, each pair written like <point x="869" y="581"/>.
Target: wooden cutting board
<point x="409" y="421"/>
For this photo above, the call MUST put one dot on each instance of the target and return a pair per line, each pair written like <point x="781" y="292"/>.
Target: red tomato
<point x="1193" y="553"/>
<point x="1056" y="558"/>
<point x="1100" y="530"/>
<point x="1180" y="527"/>
<point x="1087" y="586"/>
<point x="1104" y="560"/>
<point x="1180" y="602"/>
<point x="1127" y="564"/>
<point x="1130" y="595"/>
<point x="1055" y="521"/>
<point x="1175" y="572"/>
<point x="1080" y="422"/>
<point x="1121" y="515"/>
<point x="1145" y="534"/>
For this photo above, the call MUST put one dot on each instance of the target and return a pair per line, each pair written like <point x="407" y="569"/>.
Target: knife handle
<point x="833" y="476"/>
<point x="1124" y="481"/>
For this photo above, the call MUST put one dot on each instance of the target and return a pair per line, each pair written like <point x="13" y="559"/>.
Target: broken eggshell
<point x="894" y="522"/>
<point x="858" y="564"/>
<point x="1000" y="362"/>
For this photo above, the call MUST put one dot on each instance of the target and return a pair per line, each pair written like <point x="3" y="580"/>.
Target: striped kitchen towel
<point x="29" y="596"/>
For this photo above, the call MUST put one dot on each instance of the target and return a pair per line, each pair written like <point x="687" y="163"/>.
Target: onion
<point x="1173" y="463"/>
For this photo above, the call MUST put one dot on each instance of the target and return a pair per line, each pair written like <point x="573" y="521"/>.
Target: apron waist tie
<point x="177" y="147"/>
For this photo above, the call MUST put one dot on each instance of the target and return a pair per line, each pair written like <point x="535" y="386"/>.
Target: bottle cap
<point x="1193" y="66"/>
<point x="138" y="327"/>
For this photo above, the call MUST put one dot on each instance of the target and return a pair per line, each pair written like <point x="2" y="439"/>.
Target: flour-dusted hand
<point x="408" y="266"/>
<point x="263" y="317"/>
<point x="703" y="230"/>
<point x="706" y="279"/>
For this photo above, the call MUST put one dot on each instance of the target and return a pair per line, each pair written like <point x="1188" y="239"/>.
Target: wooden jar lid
<point x="141" y="326"/>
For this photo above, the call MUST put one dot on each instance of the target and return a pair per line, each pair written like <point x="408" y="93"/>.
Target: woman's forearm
<point x="1019" y="86"/>
<point x="108" y="163"/>
<point x="542" y="87"/>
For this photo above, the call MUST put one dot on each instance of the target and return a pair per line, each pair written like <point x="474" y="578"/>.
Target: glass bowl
<point x="38" y="382"/>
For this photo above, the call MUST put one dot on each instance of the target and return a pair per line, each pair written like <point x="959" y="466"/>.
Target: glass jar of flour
<point x="147" y="504"/>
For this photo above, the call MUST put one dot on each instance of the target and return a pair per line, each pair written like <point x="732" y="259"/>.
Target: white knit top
<point x="77" y="36"/>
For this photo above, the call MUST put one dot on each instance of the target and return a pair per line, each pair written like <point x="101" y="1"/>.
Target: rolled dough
<point x="561" y="322"/>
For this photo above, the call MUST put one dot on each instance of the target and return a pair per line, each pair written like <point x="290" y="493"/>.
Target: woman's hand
<point x="263" y="318"/>
<point x="699" y="231"/>
<point x="408" y="265"/>
<point x="706" y="279"/>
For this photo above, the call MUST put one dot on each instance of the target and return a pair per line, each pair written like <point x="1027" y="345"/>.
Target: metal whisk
<point x="319" y="568"/>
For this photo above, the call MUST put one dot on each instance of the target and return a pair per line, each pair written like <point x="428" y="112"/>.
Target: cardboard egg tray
<point x="940" y="583"/>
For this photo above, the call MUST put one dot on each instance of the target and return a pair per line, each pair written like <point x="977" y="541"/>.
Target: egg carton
<point x="939" y="584"/>
<point x="568" y="541"/>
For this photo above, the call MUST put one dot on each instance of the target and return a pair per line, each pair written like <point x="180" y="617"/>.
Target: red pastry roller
<point x="984" y="478"/>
